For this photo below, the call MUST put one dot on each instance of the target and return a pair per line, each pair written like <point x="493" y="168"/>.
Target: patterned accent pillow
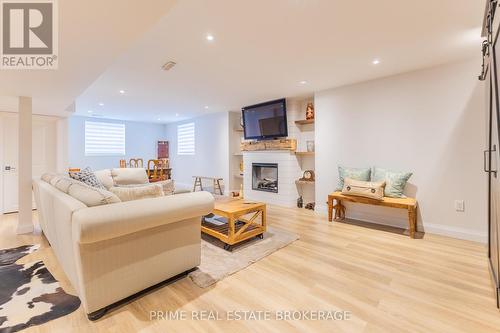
<point x="353" y="173"/>
<point x="86" y="176"/>
<point x="395" y="181"/>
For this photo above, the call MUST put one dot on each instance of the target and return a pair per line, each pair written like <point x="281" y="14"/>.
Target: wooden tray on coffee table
<point x="245" y="219"/>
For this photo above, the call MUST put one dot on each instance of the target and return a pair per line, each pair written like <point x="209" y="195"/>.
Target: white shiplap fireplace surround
<point x="288" y="171"/>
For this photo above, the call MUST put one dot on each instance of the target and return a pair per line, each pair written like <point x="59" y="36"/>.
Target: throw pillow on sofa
<point x="166" y="185"/>
<point x="395" y="181"/>
<point x="129" y="176"/>
<point x="105" y="178"/>
<point x="86" y="176"/>
<point x="92" y="196"/>
<point x="353" y="173"/>
<point x="129" y="193"/>
<point x="63" y="183"/>
<point x="48" y="176"/>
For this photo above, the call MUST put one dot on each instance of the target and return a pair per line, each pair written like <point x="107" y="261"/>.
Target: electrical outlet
<point x="459" y="205"/>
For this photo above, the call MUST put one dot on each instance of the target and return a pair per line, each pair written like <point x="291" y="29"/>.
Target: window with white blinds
<point x="185" y="139"/>
<point x="104" y="139"/>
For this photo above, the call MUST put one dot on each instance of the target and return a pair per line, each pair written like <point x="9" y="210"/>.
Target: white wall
<point x="430" y="122"/>
<point x="140" y="142"/>
<point x="211" y="149"/>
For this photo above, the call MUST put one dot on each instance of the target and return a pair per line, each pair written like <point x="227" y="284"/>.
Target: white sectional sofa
<point x="111" y="250"/>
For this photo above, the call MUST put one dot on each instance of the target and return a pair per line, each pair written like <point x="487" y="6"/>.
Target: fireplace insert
<point x="265" y="177"/>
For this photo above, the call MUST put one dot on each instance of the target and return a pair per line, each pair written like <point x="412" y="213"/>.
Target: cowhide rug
<point x="29" y="294"/>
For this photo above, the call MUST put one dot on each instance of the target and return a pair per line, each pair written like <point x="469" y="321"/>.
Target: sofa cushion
<point x="92" y="196"/>
<point x="63" y="183"/>
<point x="105" y="178"/>
<point x="55" y="179"/>
<point x="129" y="176"/>
<point x="167" y="186"/>
<point x="86" y="176"/>
<point x="47" y="177"/>
<point x="129" y="193"/>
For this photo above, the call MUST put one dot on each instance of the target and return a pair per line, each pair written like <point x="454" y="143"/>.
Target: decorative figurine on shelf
<point x="310" y="111"/>
<point x="235" y="194"/>
<point x="300" y="202"/>
<point x="308" y="176"/>
<point x="310" y="206"/>
<point x="241" y="166"/>
<point x="123" y="164"/>
<point x="310" y="146"/>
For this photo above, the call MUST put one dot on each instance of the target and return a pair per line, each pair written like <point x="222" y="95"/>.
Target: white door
<point x="10" y="157"/>
<point x="44" y="140"/>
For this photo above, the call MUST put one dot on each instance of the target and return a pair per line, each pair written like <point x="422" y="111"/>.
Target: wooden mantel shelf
<point x="279" y="144"/>
<point x="304" y="153"/>
<point x="304" y="122"/>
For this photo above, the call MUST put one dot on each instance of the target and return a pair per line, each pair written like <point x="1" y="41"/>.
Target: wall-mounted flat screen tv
<point x="265" y="120"/>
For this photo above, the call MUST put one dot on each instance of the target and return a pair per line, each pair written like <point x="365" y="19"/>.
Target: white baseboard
<point x="456" y="232"/>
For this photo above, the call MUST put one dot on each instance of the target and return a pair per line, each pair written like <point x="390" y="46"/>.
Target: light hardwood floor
<point x="389" y="282"/>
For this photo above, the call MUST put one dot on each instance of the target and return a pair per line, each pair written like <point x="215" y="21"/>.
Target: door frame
<point x="494" y="90"/>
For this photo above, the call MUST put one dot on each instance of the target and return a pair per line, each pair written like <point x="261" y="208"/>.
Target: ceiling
<point x="92" y="34"/>
<point x="261" y="50"/>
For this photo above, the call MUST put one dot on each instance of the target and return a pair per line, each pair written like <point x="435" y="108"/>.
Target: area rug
<point x="217" y="263"/>
<point x="29" y="294"/>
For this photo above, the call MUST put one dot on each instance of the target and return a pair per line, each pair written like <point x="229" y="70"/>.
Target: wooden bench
<point x="216" y="183"/>
<point x="409" y="204"/>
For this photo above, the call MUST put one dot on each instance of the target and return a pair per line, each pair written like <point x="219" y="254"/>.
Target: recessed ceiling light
<point x="303" y="82"/>
<point x="168" y="65"/>
<point x="90" y="111"/>
<point x="210" y="37"/>
<point x="122" y="92"/>
<point x="206" y="107"/>
<point x="159" y="118"/>
<point x="101" y="104"/>
<point x="177" y="115"/>
<point x="376" y="61"/>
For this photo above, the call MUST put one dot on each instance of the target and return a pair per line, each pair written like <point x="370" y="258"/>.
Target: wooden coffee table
<point x="245" y="219"/>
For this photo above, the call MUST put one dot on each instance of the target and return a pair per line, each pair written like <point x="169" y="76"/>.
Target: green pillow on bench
<point x="395" y="181"/>
<point x="353" y="173"/>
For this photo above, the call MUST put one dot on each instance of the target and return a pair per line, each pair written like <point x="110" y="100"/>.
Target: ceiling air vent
<point x="168" y="66"/>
